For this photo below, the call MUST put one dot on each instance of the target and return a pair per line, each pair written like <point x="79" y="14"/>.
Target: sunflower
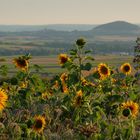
<point x="103" y="70"/>
<point x="24" y="84"/>
<point x="112" y="72"/>
<point x="21" y="63"/>
<point x="63" y="77"/>
<point x="39" y="124"/>
<point x="44" y="95"/>
<point x="56" y="85"/>
<point x="79" y="93"/>
<point x="65" y="88"/>
<point x="84" y="82"/>
<point x="130" y="107"/>
<point x="126" y="68"/>
<point x="3" y="99"/>
<point x="78" y="98"/>
<point x="63" y="58"/>
<point x="113" y="80"/>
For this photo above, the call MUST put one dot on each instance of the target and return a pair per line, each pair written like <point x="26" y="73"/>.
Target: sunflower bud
<point x="80" y="42"/>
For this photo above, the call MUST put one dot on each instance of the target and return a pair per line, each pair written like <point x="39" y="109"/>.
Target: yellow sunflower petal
<point x="103" y="70"/>
<point x="3" y="99"/>
<point x="39" y="124"/>
<point x="126" y="68"/>
<point x="21" y="63"/>
<point x="63" y="58"/>
<point x="134" y="107"/>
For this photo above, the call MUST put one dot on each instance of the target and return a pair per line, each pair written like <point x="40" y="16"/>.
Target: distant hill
<point x="114" y="31"/>
<point x="21" y="28"/>
<point x="56" y="27"/>
<point x="71" y="27"/>
<point x="113" y="28"/>
<point x="117" y="28"/>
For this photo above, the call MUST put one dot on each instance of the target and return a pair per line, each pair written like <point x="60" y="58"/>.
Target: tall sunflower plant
<point x="25" y="87"/>
<point x="78" y="61"/>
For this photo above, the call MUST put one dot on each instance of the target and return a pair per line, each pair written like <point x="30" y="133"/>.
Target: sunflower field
<point x="71" y="106"/>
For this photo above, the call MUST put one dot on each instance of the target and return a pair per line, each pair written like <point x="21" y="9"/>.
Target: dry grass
<point x="51" y="63"/>
<point x="115" y="38"/>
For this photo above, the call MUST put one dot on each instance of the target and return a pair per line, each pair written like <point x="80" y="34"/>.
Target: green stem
<point x="80" y="62"/>
<point x="132" y="128"/>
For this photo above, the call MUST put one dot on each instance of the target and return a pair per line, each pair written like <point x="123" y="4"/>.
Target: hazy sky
<point x="68" y="11"/>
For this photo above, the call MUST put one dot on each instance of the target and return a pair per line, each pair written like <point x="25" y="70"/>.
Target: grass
<point x="114" y="38"/>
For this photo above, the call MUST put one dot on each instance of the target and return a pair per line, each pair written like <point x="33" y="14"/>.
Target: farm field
<point x="50" y="64"/>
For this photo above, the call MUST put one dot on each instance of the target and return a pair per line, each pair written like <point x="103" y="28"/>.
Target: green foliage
<point x="74" y="106"/>
<point x="3" y="70"/>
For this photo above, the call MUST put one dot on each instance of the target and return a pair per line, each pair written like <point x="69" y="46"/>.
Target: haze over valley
<point x="113" y="37"/>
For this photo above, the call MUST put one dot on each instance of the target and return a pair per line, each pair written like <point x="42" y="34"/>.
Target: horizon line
<point x="43" y="24"/>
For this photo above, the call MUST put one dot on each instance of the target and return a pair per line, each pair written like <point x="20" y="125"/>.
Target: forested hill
<point x="119" y="28"/>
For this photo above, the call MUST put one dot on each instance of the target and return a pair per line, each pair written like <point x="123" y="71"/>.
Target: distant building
<point x="124" y="53"/>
